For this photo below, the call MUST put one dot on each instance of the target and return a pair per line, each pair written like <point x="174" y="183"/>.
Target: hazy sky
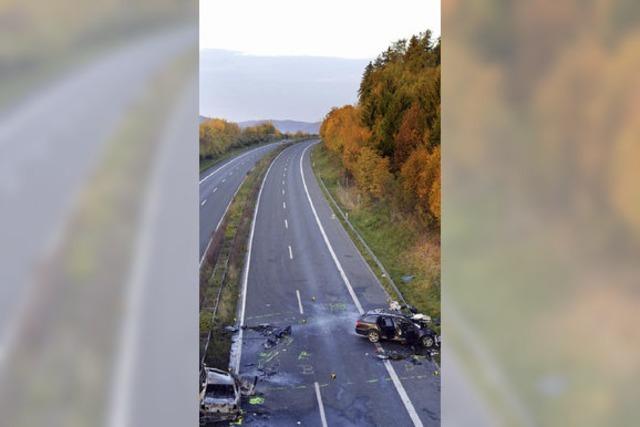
<point x="241" y="87"/>
<point x="281" y="59"/>
<point x="338" y="28"/>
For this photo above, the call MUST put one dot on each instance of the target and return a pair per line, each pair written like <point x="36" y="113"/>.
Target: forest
<point x="389" y="142"/>
<point x="218" y="136"/>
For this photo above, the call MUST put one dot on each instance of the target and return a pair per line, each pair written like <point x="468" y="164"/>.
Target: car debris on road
<point x="220" y="394"/>
<point x="273" y="334"/>
<point x="413" y="356"/>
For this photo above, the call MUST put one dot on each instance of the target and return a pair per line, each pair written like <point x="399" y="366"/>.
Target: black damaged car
<point x="394" y="326"/>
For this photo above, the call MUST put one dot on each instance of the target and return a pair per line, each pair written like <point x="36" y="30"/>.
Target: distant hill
<point x="284" y="126"/>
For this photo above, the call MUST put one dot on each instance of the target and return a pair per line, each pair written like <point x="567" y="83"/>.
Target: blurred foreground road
<point x="93" y="289"/>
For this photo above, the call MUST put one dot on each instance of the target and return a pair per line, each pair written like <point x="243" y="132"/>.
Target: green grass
<point x="403" y="246"/>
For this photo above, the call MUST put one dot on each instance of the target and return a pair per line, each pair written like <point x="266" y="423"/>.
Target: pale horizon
<point x="331" y="28"/>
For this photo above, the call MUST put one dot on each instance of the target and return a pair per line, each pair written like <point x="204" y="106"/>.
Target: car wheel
<point x="427" y="341"/>
<point x="374" y="336"/>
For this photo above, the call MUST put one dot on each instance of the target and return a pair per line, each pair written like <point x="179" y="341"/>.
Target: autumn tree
<point x="419" y="174"/>
<point x="371" y="172"/>
<point x="217" y="136"/>
<point x="393" y="134"/>
<point x="343" y="133"/>
<point x="413" y="131"/>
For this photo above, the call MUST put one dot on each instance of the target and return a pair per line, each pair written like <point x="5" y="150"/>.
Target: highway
<point x="303" y="270"/>
<point x="217" y="186"/>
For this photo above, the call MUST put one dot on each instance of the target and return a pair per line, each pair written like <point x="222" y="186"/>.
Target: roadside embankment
<point x="409" y="254"/>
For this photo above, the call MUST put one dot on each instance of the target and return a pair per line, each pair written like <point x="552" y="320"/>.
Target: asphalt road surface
<point x="218" y="186"/>
<point x="304" y="271"/>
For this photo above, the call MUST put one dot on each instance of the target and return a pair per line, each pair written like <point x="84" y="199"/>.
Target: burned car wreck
<point x="395" y="325"/>
<point x="220" y="394"/>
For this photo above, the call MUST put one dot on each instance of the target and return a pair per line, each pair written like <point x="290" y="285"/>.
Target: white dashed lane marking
<point x="299" y="302"/>
<point x="323" y="417"/>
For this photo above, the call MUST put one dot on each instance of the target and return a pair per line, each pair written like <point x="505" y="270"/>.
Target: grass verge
<point x="405" y="248"/>
<point x="221" y="270"/>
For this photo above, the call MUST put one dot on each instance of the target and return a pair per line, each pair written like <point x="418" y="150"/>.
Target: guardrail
<point x="373" y="256"/>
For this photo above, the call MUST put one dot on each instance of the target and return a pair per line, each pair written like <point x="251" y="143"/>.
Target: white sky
<point x="339" y="28"/>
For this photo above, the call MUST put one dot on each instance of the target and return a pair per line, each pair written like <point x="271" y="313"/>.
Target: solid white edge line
<point x="290" y="253"/>
<point x="299" y="301"/>
<point x="233" y="161"/>
<point x="245" y="271"/>
<point x="323" y="417"/>
<point x="220" y="220"/>
<point x="205" y="252"/>
<point x="392" y="373"/>
<point x="345" y="279"/>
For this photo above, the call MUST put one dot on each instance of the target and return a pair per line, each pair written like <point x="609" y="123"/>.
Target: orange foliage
<point x="371" y="172"/>
<point x="421" y="181"/>
<point x="411" y="133"/>
<point x="343" y="133"/>
<point x="434" y="199"/>
<point x="342" y="126"/>
<point x="393" y="134"/>
<point x="218" y="136"/>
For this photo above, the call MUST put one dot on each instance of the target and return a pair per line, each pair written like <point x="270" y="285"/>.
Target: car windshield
<point x="220" y="391"/>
